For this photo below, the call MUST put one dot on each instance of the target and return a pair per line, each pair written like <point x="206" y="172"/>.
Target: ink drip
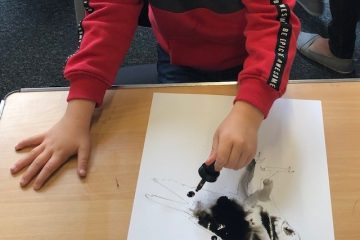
<point x="191" y="194"/>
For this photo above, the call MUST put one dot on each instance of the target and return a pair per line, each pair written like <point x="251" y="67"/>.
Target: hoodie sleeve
<point x="105" y="35"/>
<point x="271" y="32"/>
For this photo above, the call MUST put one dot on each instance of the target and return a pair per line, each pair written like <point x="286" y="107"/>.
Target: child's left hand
<point x="235" y="140"/>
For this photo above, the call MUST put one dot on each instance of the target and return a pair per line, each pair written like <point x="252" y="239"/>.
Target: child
<point x="336" y="52"/>
<point x="196" y="39"/>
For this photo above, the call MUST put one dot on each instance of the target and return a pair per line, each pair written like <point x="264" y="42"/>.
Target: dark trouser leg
<point x="170" y="73"/>
<point x="342" y="29"/>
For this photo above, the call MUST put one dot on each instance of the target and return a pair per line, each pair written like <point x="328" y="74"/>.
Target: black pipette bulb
<point x="207" y="174"/>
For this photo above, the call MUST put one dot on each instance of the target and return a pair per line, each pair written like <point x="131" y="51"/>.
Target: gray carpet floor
<point x="37" y="36"/>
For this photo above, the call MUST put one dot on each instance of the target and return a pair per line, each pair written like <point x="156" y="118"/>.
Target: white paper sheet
<point x="291" y="152"/>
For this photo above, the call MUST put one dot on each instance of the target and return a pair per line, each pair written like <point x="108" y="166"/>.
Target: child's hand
<point x="235" y="140"/>
<point x="68" y="137"/>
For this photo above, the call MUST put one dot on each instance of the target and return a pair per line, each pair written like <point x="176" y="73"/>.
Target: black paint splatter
<point x="265" y="218"/>
<point x="191" y="194"/>
<point x="226" y="219"/>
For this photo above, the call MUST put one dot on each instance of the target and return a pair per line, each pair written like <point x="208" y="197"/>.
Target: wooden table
<point x="99" y="207"/>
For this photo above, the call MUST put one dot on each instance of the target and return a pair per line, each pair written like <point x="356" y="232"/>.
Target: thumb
<point x="212" y="156"/>
<point x="83" y="159"/>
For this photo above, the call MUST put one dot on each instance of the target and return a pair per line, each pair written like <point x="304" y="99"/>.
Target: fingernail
<point x="209" y="161"/>
<point x="13" y="168"/>
<point x="82" y="172"/>
<point x="36" y="187"/>
<point x="22" y="182"/>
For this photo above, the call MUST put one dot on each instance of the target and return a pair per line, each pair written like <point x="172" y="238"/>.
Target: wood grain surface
<point x="99" y="206"/>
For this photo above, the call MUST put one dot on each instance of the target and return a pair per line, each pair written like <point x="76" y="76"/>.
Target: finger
<point x="83" y="159"/>
<point x="212" y="156"/>
<point x="27" y="160"/>
<point x="244" y="161"/>
<point x="50" y="167"/>
<point x="249" y="159"/>
<point x="223" y="154"/>
<point x="235" y="158"/>
<point x="30" y="142"/>
<point x="251" y="156"/>
<point x="35" y="168"/>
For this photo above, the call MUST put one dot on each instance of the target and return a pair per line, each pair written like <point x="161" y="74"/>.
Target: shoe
<point x="340" y="65"/>
<point x="313" y="7"/>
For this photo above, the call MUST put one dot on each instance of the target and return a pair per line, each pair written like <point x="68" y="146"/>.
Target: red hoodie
<point x="203" y="34"/>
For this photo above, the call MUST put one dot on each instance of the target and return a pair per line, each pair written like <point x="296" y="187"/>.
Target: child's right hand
<point x="68" y="137"/>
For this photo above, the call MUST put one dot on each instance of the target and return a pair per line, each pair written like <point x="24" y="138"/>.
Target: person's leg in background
<point x="336" y="52"/>
<point x="313" y="7"/>
<point x="342" y="28"/>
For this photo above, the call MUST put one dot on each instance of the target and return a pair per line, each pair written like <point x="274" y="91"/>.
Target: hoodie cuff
<point x="87" y="88"/>
<point x="257" y="93"/>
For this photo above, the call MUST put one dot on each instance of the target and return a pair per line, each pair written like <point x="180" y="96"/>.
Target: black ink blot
<point x="226" y="219"/>
<point x="191" y="194"/>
